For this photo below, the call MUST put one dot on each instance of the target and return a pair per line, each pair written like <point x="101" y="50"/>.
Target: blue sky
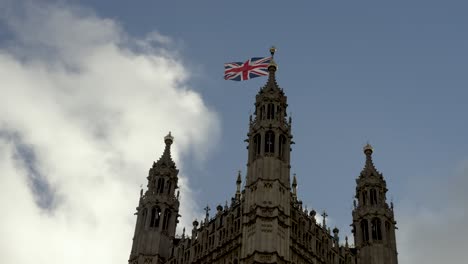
<point x="392" y="73"/>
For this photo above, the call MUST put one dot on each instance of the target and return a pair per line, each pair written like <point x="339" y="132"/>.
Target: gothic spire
<point x="166" y="159"/>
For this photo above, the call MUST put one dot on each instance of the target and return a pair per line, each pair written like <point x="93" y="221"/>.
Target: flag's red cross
<point x="252" y="68"/>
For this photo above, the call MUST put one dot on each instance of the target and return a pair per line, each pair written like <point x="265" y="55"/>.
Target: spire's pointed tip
<point x="294" y="183"/>
<point x="239" y="177"/>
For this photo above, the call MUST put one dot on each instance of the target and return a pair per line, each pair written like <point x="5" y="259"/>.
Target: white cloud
<point x="82" y="116"/>
<point x="435" y="232"/>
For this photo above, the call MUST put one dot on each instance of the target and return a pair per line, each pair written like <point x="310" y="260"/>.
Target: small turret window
<point x="257" y="145"/>
<point x="269" y="142"/>
<point x="143" y="216"/>
<point x="376" y="229"/>
<point x="155" y="215"/>
<point x="282" y="146"/>
<point x="160" y="187"/>
<point x="271" y="111"/>
<point x="373" y="196"/>
<point x="387" y="229"/>
<point x="167" y="217"/>
<point x="365" y="230"/>
<point x="169" y="185"/>
<point x="364" y="197"/>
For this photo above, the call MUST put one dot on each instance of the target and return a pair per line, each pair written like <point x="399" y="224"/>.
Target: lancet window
<point x="169" y="185"/>
<point x="257" y="145"/>
<point x="167" y="217"/>
<point x="373" y="196"/>
<point x="270" y="111"/>
<point x="364" y="197"/>
<point x="269" y="142"/>
<point x="376" y="229"/>
<point x="155" y="216"/>
<point x="160" y="187"/>
<point x="282" y="146"/>
<point x="365" y="230"/>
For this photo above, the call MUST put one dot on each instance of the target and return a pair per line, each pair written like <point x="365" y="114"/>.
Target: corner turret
<point x="373" y="220"/>
<point x="157" y="212"/>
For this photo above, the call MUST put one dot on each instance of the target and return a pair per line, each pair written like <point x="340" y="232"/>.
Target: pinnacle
<point x="166" y="158"/>
<point x="369" y="168"/>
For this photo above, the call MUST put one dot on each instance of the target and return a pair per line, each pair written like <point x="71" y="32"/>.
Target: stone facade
<point x="265" y="221"/>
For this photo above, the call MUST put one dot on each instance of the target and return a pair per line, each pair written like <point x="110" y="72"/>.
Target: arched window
<point x="364" y="197"/>
<point x="143" y="216"/>
<point x="373" y="196"/>
<point x="167" y="217"/>
<point x="155" y="215"/>
<point x="262" y="112"/>
<point x="257" y="144"/>
<point x="169" y="185"/>
<point x="282" y="146"/>
<point x="269" y="142"/>
<point x="270" y="111"/>
<point x="376" y="229"/>
<point x="160" y="187"/>
<point x="365" y="230"/>
<point x="387" y="230"/>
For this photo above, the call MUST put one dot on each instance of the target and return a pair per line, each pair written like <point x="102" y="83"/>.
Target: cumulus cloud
<point x="432" y="220"/>
<point x="83" y="113"/>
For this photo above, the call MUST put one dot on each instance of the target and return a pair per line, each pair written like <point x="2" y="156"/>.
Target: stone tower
<point x="266" y="221"/>
<point x="266" y="212"/>
<point x="157" y="212"/>
<point x="373" y="219"/>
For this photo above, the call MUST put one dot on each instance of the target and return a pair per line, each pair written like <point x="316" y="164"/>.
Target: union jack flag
<point x="254" y="67"/>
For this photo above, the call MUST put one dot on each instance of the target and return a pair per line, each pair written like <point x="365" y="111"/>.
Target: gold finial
<point x="368" y="148"/>
<point x="169" y="138"/>
<point x="272" y="51"/>
<point x="272" y="62"/>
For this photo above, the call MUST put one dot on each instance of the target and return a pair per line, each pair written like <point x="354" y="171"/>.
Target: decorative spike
<point x="238" y="183"/>
<point x="294" y="186"/>
<point x="369" y="168"/>
<point x="166" y="159"/>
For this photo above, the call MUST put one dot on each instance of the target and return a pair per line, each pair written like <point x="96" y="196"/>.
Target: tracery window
<point x="269" y="142"/>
